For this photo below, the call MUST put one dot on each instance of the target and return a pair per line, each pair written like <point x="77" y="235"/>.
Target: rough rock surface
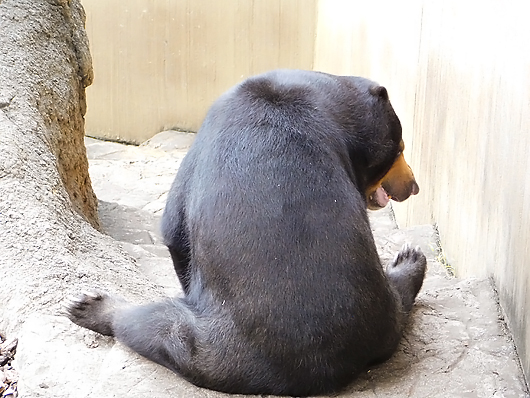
<point x="48" y="248"/>
<point x="45" y="66"/>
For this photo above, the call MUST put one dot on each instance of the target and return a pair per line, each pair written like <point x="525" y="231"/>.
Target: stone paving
<point x="456" y="345"/>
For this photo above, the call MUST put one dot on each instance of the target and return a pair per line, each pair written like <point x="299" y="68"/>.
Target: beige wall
<point x="160" y="64"/>
<point x="458" y="73"/>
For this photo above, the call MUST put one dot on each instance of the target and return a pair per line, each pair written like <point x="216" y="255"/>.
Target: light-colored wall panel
<point x="458" y="74"/>
<point x="160" y="64"/>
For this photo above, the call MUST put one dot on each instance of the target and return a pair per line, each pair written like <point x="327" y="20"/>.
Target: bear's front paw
<point x="94" y="311"/>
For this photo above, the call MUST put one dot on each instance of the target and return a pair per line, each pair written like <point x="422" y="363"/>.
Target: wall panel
<point x="160" y="64"/>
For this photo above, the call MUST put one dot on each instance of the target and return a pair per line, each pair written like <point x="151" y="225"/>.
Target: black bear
<point x="267" y="226"/>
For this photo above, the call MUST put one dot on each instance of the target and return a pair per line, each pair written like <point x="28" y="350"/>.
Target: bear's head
<point x="376" y="146"/>
<point x="397" y="182"/>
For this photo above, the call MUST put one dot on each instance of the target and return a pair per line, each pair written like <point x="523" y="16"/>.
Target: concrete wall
<point x="160" y="64"/>
<point x="458" y="73"/>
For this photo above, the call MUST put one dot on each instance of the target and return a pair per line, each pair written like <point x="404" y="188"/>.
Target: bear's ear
<point x="379" y="91"/>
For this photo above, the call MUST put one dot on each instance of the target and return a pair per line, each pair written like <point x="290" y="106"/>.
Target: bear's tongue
<point x="380" y="197"/>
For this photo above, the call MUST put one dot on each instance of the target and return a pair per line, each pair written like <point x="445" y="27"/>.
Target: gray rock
<point x="45" y="99"/>
<point x="49" y="250"/>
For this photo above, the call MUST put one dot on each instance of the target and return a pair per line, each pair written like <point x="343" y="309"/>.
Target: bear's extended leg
<point x="162" y="332"/>
<point x="406" y="274"/>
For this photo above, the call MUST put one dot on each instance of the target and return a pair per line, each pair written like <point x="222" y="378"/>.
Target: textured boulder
<point x="49" y="244"/>
<point x="45" y="66"/>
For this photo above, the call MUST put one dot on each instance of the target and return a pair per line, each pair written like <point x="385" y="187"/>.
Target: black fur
<point x="267" y="227"/>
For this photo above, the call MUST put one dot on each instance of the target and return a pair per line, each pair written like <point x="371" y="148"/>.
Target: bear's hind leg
<point x="406" y="274"/>
<point x="163" y="332"/>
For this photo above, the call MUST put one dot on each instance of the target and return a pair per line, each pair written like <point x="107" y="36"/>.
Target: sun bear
<point x="267" y="226"/>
